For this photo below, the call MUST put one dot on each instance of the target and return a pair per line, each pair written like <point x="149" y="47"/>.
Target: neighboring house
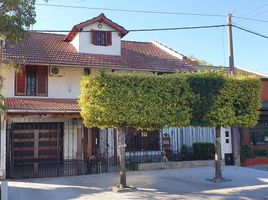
<point x="42" y="133"/>
<point x="254" y="140"/>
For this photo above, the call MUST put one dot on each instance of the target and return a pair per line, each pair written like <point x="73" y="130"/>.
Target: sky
<point x="211" y="45"/>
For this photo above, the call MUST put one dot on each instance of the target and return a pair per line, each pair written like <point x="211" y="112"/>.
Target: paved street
<point x="187" y="183"/>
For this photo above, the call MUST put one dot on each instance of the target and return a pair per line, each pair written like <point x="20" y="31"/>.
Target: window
<point x="31" y="81"/>
<point x="226" y="133"/>
<point x="137" y="140"/>
<point x="101" y="38"/>
<point x="259" y="133"/>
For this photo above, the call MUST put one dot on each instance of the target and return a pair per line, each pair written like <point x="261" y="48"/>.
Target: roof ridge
<point x="45" y="33"/>
<point x="136" y="41"/>
<point x="253" y="72"/>
<point x="169" y="50"/>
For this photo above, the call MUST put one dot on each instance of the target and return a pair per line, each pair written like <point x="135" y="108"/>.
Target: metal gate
<point x="35" y="150"/>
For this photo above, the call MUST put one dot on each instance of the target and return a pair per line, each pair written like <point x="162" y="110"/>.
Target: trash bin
<point x="229" y="158"/>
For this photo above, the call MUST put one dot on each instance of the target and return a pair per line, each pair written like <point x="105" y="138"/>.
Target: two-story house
<point x="42" y="133"/>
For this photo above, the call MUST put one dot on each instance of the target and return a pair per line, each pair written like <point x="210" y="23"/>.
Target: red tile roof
<point x="41" y="104"/>
<point x="46" y="48"/>
<point x="100" y="18"/>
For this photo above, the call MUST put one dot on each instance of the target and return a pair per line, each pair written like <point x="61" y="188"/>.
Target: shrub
<point x="203" y="150"/>
<point x="186" y="153"/>
<point x="244" y="152"/>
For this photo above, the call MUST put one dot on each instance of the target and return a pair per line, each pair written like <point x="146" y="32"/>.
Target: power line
<point x="249" y="31"/>
<point x="260" y="7"/>
<point x="143" y="30"/>
<point x="149" y="11"/>
<point x="251" y="19"/>
<point x="261" y="13"/>
<point x="132" y="11"/>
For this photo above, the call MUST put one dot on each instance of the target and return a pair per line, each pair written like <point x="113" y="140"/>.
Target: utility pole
<point x="230" y="44"/>
<point x="234" y="129"/>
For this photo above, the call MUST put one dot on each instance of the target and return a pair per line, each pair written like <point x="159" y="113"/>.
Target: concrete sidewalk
<point x="184" y="183"/>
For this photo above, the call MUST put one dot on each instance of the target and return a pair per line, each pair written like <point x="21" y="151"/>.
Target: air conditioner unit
<point x="56" y="71"/>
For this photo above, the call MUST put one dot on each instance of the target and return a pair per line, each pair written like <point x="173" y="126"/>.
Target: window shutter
<point x="42" y="80"/>
<point x="93" y="34"/>
<point x="109" y="38"/>
<point x="21" y="82"/>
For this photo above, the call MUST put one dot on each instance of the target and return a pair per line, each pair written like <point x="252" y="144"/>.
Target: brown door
<point x="91" y="142"/>
<point x="96" y="141"/>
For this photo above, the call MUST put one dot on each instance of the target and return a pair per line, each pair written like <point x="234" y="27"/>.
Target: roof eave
<point x="41" y="111"/>
<point x="100" y="18"/>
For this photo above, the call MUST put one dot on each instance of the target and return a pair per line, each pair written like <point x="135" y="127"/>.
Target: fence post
<point x="4" y="190"/>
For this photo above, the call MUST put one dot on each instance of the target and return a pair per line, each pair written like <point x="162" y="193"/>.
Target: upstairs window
<point x="31" y="81"/>
<point x="101" y="38"/>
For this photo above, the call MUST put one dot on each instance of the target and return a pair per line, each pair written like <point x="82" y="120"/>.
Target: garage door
<point x="36" y="149"/>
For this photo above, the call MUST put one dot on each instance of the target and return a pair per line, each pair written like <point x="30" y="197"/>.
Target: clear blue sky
<point x="250" y="51"/>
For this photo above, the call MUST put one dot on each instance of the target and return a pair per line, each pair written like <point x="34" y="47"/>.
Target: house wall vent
<point x="55" y="71"/>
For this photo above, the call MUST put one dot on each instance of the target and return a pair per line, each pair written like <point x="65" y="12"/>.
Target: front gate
<point x="36" y="150"/>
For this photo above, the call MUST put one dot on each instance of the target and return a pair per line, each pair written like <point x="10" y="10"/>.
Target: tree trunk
<point x="123" y="182"/>
<point x="218" y="174"/>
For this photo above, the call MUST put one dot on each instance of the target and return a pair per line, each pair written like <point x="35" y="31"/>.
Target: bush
<point x="186" y="153"/>
<point x="203" y="150"/>
<point x="244" y="152"/>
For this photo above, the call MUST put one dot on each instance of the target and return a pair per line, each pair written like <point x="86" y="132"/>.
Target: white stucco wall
<point x="3" y="148"/>
<point x="8" y="75"/>
<point x="65" y="86"/>
<point x="82" y="41"/>
<point x="75" y="42"/>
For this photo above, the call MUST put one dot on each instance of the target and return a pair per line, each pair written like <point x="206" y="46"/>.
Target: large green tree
<point x="151" y="102"/>
<point x="15" y="17"/>
<point x="135" y="100"/>
<point x="224" y="101"/>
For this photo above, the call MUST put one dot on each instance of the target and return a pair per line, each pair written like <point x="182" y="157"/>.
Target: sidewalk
<point x="187" y="183"/>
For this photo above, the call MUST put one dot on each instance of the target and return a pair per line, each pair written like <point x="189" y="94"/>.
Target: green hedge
<point x="203" y="151"/>
<point x="223" y="100"/>
<point x="148" y="101"/>
<point x="136" y="100"/>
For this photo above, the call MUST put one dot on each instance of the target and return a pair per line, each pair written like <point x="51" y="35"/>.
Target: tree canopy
<point x="135" y="100"/>
<point x="15" y="17"/>
<point x="149" y="101"/>
<point x="225" y="100"/>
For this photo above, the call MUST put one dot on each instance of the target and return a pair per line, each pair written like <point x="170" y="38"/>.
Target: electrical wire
<point x="132" y="11"/>
<point x="142" y="30"/>
<point x="260" y="7"/>
<point x="251" y="19"/>
<point x="149" y="11"/>
<point x="249" y="31"/>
